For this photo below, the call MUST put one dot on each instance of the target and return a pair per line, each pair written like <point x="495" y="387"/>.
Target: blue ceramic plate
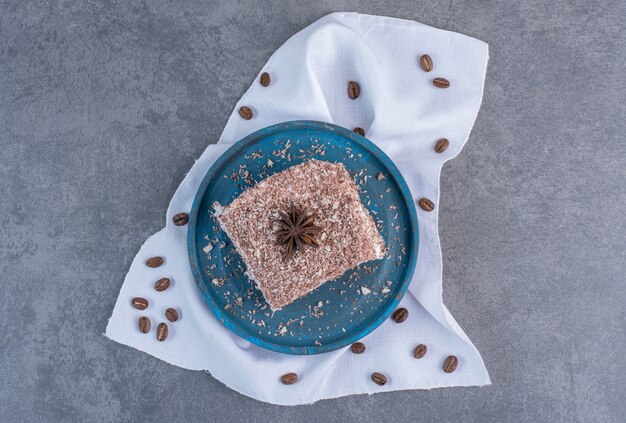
<point x="339" y="312"/>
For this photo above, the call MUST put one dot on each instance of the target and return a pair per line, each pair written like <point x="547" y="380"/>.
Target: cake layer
<point x="347" y="238"/>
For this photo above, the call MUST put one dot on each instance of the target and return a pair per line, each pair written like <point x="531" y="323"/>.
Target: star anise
<point x="296" y="229"/>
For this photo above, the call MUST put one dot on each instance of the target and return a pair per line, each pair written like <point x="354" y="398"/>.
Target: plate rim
<point x="192" y="248"/>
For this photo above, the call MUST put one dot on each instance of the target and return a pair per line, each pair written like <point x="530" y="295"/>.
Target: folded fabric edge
<point x="452" y="324"/>
<point x="242" y="389"/>
<point x="396" y="21"/>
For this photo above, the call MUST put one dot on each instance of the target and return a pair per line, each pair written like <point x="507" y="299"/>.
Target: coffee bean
<point x="162" y="284"/>
<point x="442" y="145"/>
<point x="154" y="262"/>
<point x="180" y="219"/>
<point x="246" y="112"/>
<point x="441" y="83"/>
<point x="144" y="324"/>
<point x="354" y="90"/>
<point x="358" y="348"/>
<point x="449" y="365"/>
<point x="379" y="378"/>
<point x="289" y="378"/>
<point x="400" y="315"/>
<point x="420" y="351"/>
<point x="359" y="131"/>
<point x="140" y="303"/>
<point x="161" y="332"/>
<point x="171" y="314"/>
<point x="426" y="63"/>
<point x="426" y="204"/>
<point x="265" y="79"/>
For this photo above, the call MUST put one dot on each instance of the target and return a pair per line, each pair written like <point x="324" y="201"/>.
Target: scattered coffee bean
<point x="379" y="378"/>
<point x="442" y="145"/>
<point x="354" y="90"/>
<point x="449" y="365"/>
<point x="171" y="314"/>
<point x="246" y="112"/>
<point x="154" y="262"/>
<point x="180" y="219"/>
<point x="426" y="204"/>
<point x="265" y="79"/>
<point x="426" y="63"/>
<point x="420" y="351"/>
<point x="359" y="131"/>
<point x="144" y="324"/>
<point x="140" y="303"/>
<point x="162" y="284"/>
<point x="441" y="83"/>
<point x="289" y="379"/>
<point x="400" y="315"/>
<point x="358" y="348"/>
<point x="161" y="332"/>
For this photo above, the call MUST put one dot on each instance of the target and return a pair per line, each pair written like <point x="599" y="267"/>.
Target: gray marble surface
<point x="105" y="105"/>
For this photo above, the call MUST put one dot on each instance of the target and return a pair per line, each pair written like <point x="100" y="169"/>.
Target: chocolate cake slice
<point x="320" y="194"/>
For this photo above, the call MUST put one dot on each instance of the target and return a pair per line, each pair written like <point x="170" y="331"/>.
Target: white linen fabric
<point x="404" y="114"/>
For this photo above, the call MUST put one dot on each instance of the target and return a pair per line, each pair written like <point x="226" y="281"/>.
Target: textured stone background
<point x="105" y="105"/>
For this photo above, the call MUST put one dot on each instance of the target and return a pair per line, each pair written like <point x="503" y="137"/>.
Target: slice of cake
<point x="300" y="228"/>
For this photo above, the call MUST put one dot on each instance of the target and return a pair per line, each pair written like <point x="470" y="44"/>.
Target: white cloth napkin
<point x="404" y="114"/>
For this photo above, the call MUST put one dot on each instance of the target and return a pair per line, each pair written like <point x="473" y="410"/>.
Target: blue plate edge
<point x="192" y="247"/>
